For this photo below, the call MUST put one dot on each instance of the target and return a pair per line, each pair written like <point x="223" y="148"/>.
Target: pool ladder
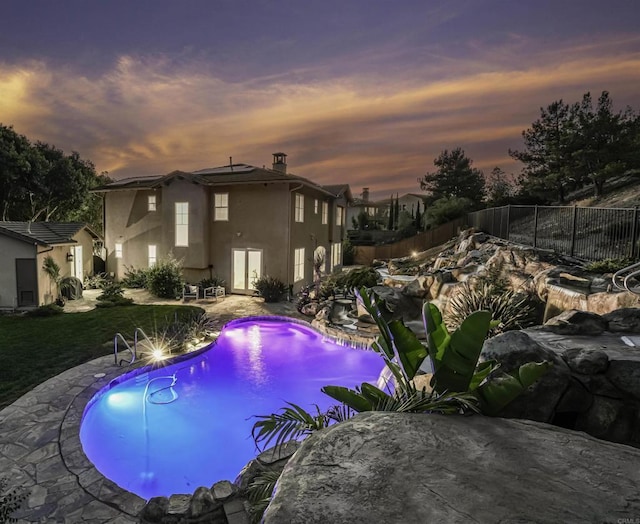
<point x="133" y="350"/>
<point x="622" y="279"/>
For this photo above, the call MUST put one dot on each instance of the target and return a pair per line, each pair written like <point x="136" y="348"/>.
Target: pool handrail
<point x="623" y="282"/>
<point x="115" y="350"/>
<point x="134" y="350"/>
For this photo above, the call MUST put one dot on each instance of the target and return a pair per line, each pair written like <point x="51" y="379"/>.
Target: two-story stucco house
<point x="237" y="222"/>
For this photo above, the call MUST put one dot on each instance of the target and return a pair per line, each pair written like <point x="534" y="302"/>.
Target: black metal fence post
<point x="573" y="230"/>
<point x="508" y="220"/>
<point x="535" y="226"/>
<point x="634" y="234"/>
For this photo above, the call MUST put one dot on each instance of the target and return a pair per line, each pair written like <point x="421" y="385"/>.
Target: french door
<point x="246" y="269"/>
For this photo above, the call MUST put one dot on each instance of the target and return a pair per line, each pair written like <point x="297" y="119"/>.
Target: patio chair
<point x="214" y="292"/>
<point x="189" y="291"/>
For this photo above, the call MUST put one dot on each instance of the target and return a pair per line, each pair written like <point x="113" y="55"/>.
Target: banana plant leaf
<point x="483" y="370"/>
<point x="495" y="394"/>
<point x="437" y="334"/>
<point x="351" y="397"/>
<point x="457" y="365"/>
<point x="396" y="341"/>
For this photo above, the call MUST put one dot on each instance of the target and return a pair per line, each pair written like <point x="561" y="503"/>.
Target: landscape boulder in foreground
<point x="415" y="468"/>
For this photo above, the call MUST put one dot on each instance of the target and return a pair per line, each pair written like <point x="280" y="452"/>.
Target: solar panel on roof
<point x="237" y="168"/>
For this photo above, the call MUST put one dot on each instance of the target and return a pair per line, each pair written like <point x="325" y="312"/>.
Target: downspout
<point x="289" y="284"/>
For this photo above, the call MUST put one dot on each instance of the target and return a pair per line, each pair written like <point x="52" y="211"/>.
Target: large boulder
<point x="415" y="468"/>
<point x="515" y="348"/>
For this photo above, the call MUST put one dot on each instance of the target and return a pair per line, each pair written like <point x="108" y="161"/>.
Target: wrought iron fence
<point x="590" y="233"/>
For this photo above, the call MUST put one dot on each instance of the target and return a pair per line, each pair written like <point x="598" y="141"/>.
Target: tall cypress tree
<point x="391" y="213"/>
<point x="418" y="219"/>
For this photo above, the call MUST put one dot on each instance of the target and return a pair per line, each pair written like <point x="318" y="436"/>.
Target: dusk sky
<point x="365" y="92"/>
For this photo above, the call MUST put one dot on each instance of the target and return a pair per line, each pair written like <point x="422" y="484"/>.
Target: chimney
<point x="365" y="194"/>
<point x="280" y="162"/>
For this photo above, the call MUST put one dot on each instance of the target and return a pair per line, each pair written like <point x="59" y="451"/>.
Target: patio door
<point x="247" y="268"/>
<point x="76" y="265"/>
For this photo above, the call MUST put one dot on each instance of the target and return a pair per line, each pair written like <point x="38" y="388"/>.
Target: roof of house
<point x="44" y="233"/>
<point x="219" y="176"/>
<point x="339" y="190"/>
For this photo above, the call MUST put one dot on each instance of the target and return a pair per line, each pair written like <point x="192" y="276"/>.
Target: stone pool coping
<point x="40" y="448"/>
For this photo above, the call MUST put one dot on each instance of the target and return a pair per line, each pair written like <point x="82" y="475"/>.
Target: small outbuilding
<point x="24" y="247"/>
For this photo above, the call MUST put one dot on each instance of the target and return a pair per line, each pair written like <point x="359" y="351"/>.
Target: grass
<point x="33" y="350"/>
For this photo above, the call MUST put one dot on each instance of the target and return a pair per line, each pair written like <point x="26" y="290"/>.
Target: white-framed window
<point x="325" y="212"/>
<point x="371" y="211"/>
<point x="221" y="206"/>
<point x="152" y="203"/>
<point x="118" y="249"/>
<point x="298" y="264"/>
<point x="339" y="213"/>
<point x="315" y="206"/>
<point x="299" y="214"/>
<point x="182" y="224"/>
<point x="336" y="254"/>
<point x="153" y="257"/>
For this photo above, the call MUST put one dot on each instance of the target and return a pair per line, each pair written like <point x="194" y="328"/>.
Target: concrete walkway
<point x="39" y="433"/>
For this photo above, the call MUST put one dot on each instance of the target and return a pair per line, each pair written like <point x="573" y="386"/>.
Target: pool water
<point x="187" y="425"/>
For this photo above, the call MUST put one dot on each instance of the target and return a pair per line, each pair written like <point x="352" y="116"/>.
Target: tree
<point x="418" y="218"/>
<point x="396" y="212"/>
<point x="391" y="222"/>
<point x="40" y="182"/>
<point x="499" y="189"/>
<point x="603" y="140"/>
<point x="445" y="210"/>
<point x="570" y="146"/>
<point x="547" y="156"/>
<point x="454" y="177"/>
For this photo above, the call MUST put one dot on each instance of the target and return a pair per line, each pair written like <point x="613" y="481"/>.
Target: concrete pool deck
<point x="40" y="446"/>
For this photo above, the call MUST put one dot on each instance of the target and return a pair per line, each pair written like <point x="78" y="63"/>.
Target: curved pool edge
<point x="72" y="454"/>
<point x="77" y="463"/>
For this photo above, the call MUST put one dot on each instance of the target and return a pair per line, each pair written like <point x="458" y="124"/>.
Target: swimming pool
<point x="173" y="429"/>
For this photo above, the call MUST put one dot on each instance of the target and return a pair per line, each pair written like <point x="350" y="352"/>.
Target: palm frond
<point x="289" y="424"/>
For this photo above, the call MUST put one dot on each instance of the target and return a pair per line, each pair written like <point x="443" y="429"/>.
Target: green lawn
<point x="35" y="349"/>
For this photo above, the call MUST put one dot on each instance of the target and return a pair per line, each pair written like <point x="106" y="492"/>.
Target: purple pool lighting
<point x="194" y="428"/>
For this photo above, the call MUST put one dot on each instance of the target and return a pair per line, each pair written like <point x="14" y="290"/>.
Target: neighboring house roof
<point x="215" y="176"/>
<point x="340" y="190"/>
<point x="44" y="233"/>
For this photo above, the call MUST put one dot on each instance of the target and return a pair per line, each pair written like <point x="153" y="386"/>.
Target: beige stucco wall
<point x="46" y="289"/>
<point x="128" y="220"/>
<point x="195" y="256"/>
<point x="11" y="249"/>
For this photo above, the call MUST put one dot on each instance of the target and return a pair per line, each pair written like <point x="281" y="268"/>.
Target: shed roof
<point x="44" y="233"/>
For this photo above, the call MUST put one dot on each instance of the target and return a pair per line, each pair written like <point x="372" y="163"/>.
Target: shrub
<point x="513" y="310"/>
<point x="445" y="210"/>
<point x="135" y="278"/>
<point x="270" y="288"/>
<point x="45" y="311"/>
<point x="211" y="282"/>
<point x="165" y="278"/>
<point x="347" y="280"/>
<point x="348" y="252"/>
<point x="113" y="295"/>
<point x="97" y="281"/>
<point x="609" y="265"/>
<point x="184" y="329"/>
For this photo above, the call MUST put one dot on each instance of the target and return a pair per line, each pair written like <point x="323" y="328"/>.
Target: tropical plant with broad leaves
<point x="455" y="357"/>
<point x="458" y="384"/>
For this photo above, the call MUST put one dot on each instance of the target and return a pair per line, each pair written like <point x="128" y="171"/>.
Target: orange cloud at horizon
<point x="145" y="117"/>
